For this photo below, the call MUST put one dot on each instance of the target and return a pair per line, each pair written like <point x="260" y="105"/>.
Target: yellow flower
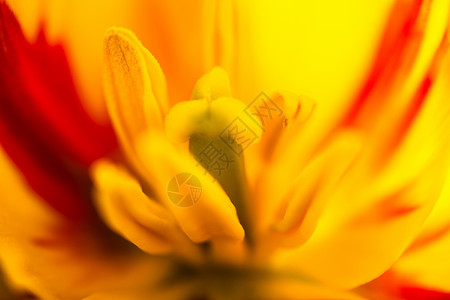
<point x="230" y="195"/>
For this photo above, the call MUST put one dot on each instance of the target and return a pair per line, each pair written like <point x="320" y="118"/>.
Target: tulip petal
<point x="309" y="193"/>
<point x="396" y="55"/>
<point x="360" y="237"/>
<point x="361" y="234"/>
<point x="369" y="230"/>
<point x="424" y="264"/>
<point x="43" y="126"/>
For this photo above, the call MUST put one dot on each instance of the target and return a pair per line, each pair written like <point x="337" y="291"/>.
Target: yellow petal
<point x="426" y="265"/>
<point x="425" y="262"/>
<point x="373" y="218"/>
<point x="134" y="86"/>
<point x="213" y="215"/>
<point x="304" y="202"/>
<point x="351" y="247"/>
<point x="128" y="211"/>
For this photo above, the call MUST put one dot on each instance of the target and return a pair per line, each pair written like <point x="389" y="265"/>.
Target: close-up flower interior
<point x="222" y="149"/>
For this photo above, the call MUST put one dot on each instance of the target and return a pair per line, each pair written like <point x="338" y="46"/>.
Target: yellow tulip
<point x="256" y="150"/>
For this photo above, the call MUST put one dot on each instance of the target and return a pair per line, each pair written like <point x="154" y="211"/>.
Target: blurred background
<point x="318" y="48"/>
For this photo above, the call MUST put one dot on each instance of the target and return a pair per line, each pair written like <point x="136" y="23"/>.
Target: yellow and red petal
<point x="43" y="126"/>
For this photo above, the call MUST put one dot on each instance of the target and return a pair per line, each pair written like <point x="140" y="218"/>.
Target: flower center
<point x="218" y="130"/>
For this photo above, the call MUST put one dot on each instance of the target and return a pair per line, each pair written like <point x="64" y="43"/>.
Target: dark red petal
<point x="43" y="126"/>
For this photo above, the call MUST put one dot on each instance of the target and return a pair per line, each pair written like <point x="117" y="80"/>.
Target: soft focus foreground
<point x="249" y="190"/>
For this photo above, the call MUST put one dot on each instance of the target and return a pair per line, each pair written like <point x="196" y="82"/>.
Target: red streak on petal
<point x="43" y="126"/>
<point x="426" y="239"/>
<point x="392" y="207"/>
<point x="421" y="94"/>
<point x="399" y="45"/>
